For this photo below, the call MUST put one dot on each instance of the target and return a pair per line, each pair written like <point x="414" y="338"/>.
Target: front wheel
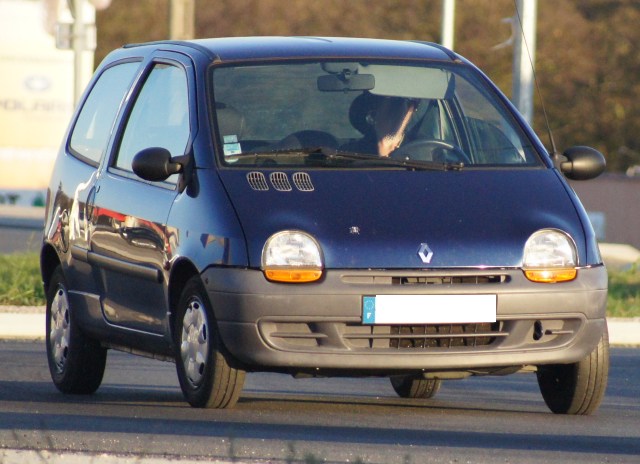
<point x="577" y="388"/>
<point x="76" y="362"/>
<point x="206" y="376"/>
<point x="407" y="386"/>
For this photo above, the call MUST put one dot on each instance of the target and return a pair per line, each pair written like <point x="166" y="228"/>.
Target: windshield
<point x="353" y="114"/>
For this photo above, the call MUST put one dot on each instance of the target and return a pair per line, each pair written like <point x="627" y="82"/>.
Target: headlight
<point x="550" y="256"/>
<point x="292" y="256"/>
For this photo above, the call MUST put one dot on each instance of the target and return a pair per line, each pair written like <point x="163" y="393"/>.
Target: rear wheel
<point x="205" y="373"/>
<point x="76" y="362"/>
<point x="577" y="388"/>
<point x="407" y="386"/>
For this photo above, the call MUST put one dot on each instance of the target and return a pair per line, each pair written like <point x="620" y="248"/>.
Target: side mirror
<point x="155" y="164"/>
<point x="582" y="163"/>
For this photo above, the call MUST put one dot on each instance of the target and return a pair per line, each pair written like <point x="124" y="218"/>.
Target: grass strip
<point x="20" y="281"/>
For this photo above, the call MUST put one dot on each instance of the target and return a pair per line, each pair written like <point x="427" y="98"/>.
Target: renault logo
<point x="425" y="253"/>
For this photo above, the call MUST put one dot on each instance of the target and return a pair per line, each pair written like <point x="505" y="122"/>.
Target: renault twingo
<point x="318" y="206"/>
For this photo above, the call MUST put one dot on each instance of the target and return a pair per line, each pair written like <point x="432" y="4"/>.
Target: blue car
<point x="318" y="207"/>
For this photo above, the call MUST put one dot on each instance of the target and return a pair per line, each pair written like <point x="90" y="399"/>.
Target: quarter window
<point x="159" y="118"/>
<point x="94" y="124"/>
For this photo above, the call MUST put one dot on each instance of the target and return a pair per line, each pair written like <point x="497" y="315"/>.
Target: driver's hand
<point x="390" y="125"/>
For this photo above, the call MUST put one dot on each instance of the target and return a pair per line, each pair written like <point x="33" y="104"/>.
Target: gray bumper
<point x="319" y="325"/>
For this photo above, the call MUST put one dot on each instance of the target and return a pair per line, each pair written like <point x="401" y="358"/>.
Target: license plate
<point x="428" y="309"/>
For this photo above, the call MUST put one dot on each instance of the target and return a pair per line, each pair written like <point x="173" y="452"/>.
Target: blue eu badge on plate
<point x="368" y="310"/>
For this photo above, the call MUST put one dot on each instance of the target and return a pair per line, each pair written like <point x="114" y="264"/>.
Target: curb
<point x="28" y="323"/>
<point x="22" y="323"/>
<point x="624" y="331"/>
<point x="20" y="456"/>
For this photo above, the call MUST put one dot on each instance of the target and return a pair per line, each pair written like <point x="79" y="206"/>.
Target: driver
<point x="383" y="122"/>
<point x="390" y="120"/>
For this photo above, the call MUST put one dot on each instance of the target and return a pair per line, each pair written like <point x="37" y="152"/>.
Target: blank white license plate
<point x="428" y="309"/>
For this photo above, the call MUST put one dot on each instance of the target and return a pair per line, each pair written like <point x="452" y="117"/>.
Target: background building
<point x="36" y="96"/>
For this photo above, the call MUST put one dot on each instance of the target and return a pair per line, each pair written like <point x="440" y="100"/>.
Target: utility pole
<point x="448" y="23"/>
<point x="76" y="31"/>
<point x="524" y="53"/>
<point x="182" y="19"/>
<point x="79" y="43"/>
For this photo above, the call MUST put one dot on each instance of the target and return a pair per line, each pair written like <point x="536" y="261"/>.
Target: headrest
<point x="360" y="107"/>
<point x="230" y="120"/>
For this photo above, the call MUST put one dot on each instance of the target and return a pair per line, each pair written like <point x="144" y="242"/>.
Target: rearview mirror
<point x="582" y="163"/>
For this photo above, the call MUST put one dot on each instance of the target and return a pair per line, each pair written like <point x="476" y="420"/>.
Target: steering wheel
<point x="431" y="150"/>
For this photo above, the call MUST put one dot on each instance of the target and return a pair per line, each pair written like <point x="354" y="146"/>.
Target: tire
<point x="207" y="378"/>
<point x="407" y="386"/>
<point x="577" y="388"/>
<point x="76" y="362"/>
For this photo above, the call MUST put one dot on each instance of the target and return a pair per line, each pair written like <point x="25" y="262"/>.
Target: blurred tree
<point x="586" y="61"/>
<point x="130" y="22"/>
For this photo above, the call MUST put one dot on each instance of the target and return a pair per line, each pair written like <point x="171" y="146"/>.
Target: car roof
<point x="262" y="48"/>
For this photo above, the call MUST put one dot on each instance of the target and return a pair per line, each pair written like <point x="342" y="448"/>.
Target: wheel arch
<point x="181" y="272"/>
<point x="49" y="261"/>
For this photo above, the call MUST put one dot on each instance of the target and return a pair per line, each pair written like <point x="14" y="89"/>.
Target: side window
<point x="91" y="132"/>
<point x="435" y="122"/>
<point x="160" y="116"/>
<point x="493" y="137"/>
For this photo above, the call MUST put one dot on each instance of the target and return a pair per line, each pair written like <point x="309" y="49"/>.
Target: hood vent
<point x="302" y="181"/>
<point x="257" y="181"/>
<point x="280" y="181"/>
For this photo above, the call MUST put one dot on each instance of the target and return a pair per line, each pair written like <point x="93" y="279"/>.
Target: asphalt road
<point x="139" y="411"/>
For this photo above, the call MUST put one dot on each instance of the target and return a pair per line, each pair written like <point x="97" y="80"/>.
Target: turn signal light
<point x="550" y="276"/>
<point x="293" y="275"/>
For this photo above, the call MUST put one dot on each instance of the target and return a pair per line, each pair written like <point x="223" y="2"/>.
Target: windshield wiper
<point x="407" y="163"/>
<point x="322" y="154"/>
<point x="278" y="153"/>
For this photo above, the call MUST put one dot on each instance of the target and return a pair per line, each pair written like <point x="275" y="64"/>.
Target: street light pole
<point x="448" y="23"/>
<point x="78" y="44"/>
<point x="76" y="31"/>
<point x="181" y="19"/>
<point x="524" y="52"/>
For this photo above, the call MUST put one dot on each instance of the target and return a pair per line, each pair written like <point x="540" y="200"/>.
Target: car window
<point x="159" y="117"/>
<point x="275" y="101"/>
<point x="280" y="113"/>
<point x="93" y="127"/>
<point x="492" y="138"/>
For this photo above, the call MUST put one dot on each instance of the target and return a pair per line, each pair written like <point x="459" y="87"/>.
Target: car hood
<point x="381" y="219"/>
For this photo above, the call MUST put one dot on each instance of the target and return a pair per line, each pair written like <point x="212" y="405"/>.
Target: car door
<point x="130" y="242"/>
<point x="78" y="172"/>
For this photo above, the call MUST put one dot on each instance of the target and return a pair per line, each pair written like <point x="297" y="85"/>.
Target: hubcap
<point x="60" y="329"/>
<point x="194" y="347"/>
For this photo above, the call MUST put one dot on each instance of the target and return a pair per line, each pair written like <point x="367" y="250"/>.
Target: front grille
<point x="444" y="335"/>
<point x="425" y="337"/>
<point x="444" y="280"/>
<point x="356" y="336"/>
<point x="336" y="335"/>
<point x="423" y="278"/>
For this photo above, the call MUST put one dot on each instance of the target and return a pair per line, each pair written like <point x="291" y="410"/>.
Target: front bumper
<point x="306" y="327"/>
